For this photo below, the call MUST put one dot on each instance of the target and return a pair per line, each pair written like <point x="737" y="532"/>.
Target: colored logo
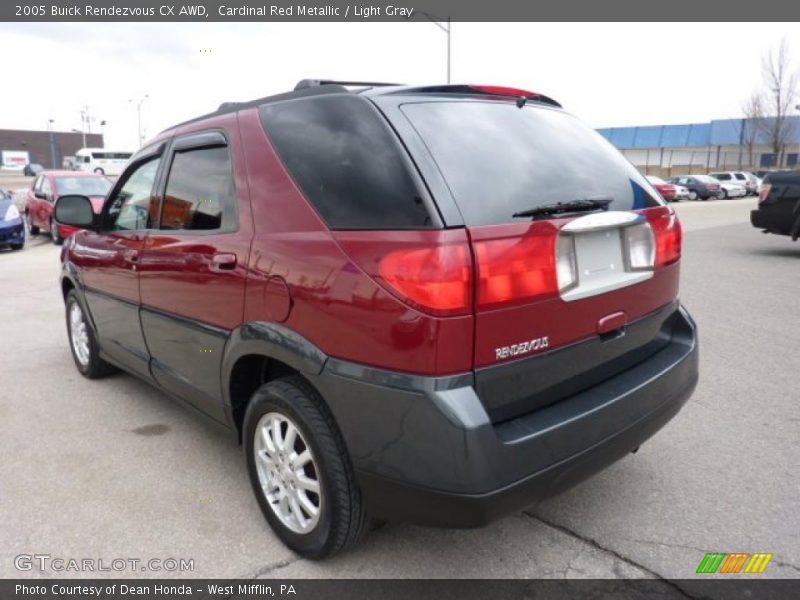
<point x="737" y="562"/>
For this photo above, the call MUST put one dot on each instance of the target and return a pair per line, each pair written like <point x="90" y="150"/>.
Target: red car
<point x="46" y="189"/>
<point x="437" y="305"/>
<point x="669" y="191"/>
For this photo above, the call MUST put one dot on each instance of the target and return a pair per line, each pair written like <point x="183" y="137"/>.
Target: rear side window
<point x="499" y="159"/>
<point x="347" y="161"/>
<point x="200" y="193"/>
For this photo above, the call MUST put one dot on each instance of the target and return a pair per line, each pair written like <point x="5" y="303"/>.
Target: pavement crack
<point x="598" y="546"/>
<point x="275" y="566"/>
<point x="668" y="545"/>
<point x="781" y="563"/>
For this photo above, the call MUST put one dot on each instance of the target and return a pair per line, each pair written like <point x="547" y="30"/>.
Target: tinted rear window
<point x="347" y="161"/>
<point x="498" y="159"/>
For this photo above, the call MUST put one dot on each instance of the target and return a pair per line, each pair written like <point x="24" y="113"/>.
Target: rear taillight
<point x="435" y="278"/>
<point x="668" y="235"/>
<point x="762" y="195"/>
<point x="519" y="269"/>
<point x="429" y="270"/>
<point x="640" y="246"/>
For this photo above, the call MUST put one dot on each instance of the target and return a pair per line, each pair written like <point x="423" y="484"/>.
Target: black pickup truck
<point x="779" y="204"/>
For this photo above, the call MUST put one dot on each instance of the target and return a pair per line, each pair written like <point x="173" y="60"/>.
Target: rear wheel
<point x="82" y="341"/>
<point x="32" y="229"/>
<point x="724" y="194"/>
<point x="54" y="234"/>
<point x="99" y="171"/>
<point x="300" y="470"/>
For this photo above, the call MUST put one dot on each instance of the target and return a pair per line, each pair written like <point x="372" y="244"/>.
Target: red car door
<point x="109" y="264"/>
<point x="32" y="201"/>
<point x="193" y="267"/>
<point x="45" y="205"/>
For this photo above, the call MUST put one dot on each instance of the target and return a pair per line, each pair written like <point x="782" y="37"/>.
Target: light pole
<point x="139" y="115"/>
<point x="446" y="28"/>
<point x="84" y="120"/>
<point x="103" y="132"/>
<point x="52" y="142"/>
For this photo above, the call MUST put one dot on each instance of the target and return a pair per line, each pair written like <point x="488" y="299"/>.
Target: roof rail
<point x="308" y="83"/>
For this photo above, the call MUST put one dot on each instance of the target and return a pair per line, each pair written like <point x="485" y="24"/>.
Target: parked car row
<point x="726" y="184"/>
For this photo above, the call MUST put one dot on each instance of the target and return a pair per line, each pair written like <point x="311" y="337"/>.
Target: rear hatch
<point x="574" y="252"/>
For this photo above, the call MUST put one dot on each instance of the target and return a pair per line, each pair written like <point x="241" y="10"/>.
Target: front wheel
<point x="32" y="229"/>
<point x="300" y="470"/>
<point x="724" y="194"/>
<point x="54" y="234"/>
<point x="692" y="195"/>
<point x="82" y="341"/>
<point x="99" y="171"/>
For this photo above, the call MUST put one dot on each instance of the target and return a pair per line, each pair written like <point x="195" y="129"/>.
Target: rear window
<point x="721" y="176"/>
<point x="499" y="159"/>
<point x="347" y="161"/>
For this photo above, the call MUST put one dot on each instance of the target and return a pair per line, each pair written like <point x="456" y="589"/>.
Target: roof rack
<point x="309" y="83"/>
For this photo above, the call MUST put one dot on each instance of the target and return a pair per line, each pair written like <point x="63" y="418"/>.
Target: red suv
<point x="431" y="304"/>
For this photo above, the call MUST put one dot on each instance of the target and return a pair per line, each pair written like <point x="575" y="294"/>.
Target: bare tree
<point x="753" y="110"/>
<point x="778" y="97"/>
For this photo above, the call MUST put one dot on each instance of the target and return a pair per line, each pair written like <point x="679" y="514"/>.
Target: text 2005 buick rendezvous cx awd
<point x="431" y="304"/>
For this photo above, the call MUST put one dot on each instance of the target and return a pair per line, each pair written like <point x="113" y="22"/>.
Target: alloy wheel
<point x="79" y="336"/>
<point x="287" y="473"/>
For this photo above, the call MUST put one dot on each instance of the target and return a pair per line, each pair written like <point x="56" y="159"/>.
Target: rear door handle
<point x="224" y="261"/>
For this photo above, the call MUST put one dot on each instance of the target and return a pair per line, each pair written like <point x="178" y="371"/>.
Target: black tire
<point x="724" y="194"/>
<point x="99" y="171"/>
<point x="57" y="239"/>
<point x="342" y="518"/>
<point x="17" y="246"/>
<point x="96" y="367"/>
<point x="32" y="229"/>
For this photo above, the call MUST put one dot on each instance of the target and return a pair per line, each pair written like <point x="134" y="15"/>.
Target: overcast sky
<point x="607" y="74"/>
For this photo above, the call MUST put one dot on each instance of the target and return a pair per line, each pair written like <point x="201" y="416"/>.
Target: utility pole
<point x="53" y="152"/>
<point x="446" y="28"/>
<point x="139" y="116"/>
<point x="84" y="120"/>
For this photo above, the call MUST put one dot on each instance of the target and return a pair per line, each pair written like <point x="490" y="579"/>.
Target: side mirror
<point x="74" y="210"/>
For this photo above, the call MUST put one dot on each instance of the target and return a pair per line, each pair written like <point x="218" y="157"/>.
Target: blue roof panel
<point x="720" y="132"/>
<point x="648" y="137"/>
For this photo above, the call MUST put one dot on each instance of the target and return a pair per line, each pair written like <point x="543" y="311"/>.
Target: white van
<point x="102" y="161"/>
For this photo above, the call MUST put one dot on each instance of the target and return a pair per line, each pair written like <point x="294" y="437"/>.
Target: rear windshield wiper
<point x="566" y="208"/>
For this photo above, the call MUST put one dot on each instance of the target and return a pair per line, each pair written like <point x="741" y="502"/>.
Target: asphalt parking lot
<point x="114" y="469"/>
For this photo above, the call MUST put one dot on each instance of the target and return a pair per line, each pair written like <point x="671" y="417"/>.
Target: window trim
<point x="196" y="140"/>
<point x="144" y="156"/>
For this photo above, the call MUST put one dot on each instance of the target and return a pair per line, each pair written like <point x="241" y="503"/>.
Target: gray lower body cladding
<point x="426" y="451"/>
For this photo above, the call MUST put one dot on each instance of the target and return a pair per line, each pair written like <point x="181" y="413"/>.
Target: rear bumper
<point x="425" y="451"/>
<point x="772" y="221"/>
